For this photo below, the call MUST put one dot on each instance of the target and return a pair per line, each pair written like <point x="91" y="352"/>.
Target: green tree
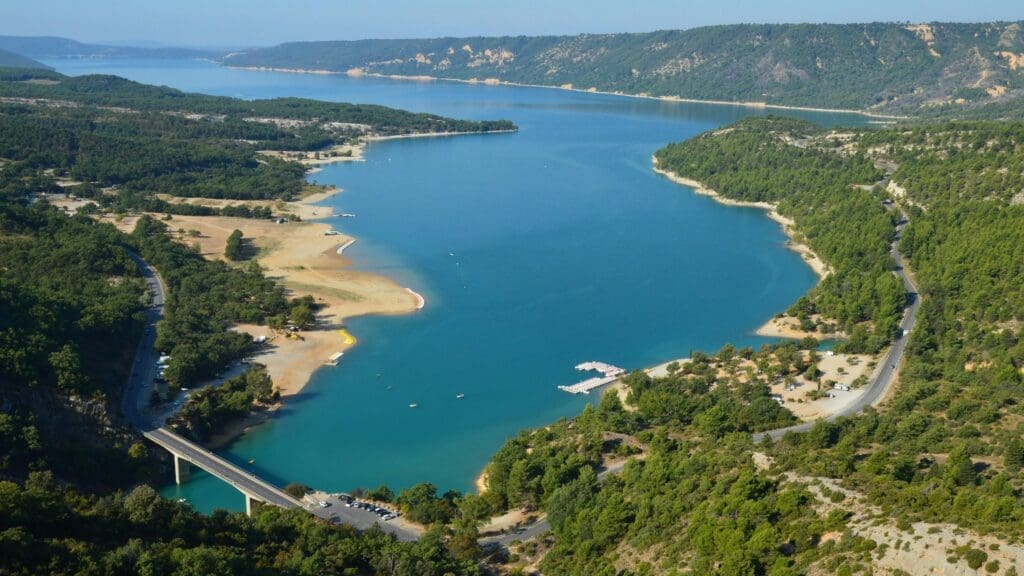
<point x="1013" y="456"/>
<point x="959" y="467"/>
<point x="297" y="490"/>
<point x="68" y="370"/>
<point x="233" y="249"/>
<point x="381" y="494"/>
<point x="302" y="316"/>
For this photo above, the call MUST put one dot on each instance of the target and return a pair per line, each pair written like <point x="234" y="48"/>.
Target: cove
<point x="535" y="251"/>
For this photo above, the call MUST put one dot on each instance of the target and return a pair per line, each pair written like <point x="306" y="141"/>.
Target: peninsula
<point x="242" y="179"/>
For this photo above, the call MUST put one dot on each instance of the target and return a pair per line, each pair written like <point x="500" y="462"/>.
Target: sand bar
<point x="305" y="260"/>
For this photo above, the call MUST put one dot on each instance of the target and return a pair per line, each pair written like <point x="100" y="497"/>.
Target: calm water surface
<point x="535" y="251"/>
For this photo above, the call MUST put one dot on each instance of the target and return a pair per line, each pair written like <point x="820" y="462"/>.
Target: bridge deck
<point x="246" y="482"/>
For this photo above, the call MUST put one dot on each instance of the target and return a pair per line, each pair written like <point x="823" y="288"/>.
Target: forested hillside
<point x="70" y="317"/>
<point x="946" y="448"/>
<point x="105" y="131"/>
<point x="769" y="160"/>
<point x="941" y="458"/>
<point x="46" y="528"/>
<point x="897" y="68"/>
<point x="46" y="47"/>
<point x="69" y="303"/>
<point x="12" y="60"/>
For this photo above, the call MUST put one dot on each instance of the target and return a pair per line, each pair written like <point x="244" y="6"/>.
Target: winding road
<point x="136" y="399"/>
<point x="143" y="370"/>
<point x="885" y="374"/>
<point x="876" y="389"/>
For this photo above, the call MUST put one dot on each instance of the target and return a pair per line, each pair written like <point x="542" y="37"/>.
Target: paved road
<point x="336" y="512"/>
<point x="886" y="372"/>
<point x="875" y="390"/>
<point x="137" y="395"/>
<point x="136" y="400"/>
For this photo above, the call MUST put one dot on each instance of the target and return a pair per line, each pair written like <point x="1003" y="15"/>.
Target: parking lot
<point x="342" y="509"/>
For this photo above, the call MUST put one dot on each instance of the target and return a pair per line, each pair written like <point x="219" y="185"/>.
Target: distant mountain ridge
<point x="51" y="47"/>
<point x="12" y="60"/>
<point x="882" y="67"/>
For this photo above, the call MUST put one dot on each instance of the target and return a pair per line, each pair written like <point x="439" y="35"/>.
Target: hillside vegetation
<point x="47" y="47"/>
<point x="942" y="455"/>
<point x="768" y="160"/>
<point x="897" y="68"/>
<point x="12" y="60"/>
<point x="73" y="498"/>
<point x="945" y="451"/>
<point x="104" y="132"/>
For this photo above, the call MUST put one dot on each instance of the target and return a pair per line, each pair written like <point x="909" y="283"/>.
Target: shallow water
<point x="535" y="251"/>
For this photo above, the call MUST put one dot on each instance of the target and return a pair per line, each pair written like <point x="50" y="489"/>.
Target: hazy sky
<point x="265" y="22"/>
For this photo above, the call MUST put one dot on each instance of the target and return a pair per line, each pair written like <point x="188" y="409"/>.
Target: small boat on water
<point x="182" y="500"/>
<point x="413" y="405"/>
<point x="346" y="215"/>
<point x="460" y="396"/>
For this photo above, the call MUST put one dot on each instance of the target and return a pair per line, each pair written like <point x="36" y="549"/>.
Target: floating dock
<point x="341" y="248"/>
<point x="610" y="374"/>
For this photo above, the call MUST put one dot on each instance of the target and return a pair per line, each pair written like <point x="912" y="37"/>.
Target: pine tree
<point x="1013" y="457"/>
<point x="959" y="467"/>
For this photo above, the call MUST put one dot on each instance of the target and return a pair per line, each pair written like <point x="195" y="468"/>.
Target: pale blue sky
<point x="266" y="22"/>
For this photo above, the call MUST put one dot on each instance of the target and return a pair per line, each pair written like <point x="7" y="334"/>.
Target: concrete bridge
<point x="185" y="452"/>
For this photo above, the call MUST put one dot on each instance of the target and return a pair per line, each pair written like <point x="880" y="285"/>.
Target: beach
<point x="305" y="259"/>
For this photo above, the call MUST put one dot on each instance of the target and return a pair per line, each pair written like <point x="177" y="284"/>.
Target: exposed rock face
<point x="882" y="67"/>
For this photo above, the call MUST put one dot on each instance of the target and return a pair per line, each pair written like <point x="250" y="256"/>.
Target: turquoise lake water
<point x="535" y="251"/>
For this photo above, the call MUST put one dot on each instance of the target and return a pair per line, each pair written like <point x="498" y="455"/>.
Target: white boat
<point x="460" y="396"/>
<point x="413" y="405"/>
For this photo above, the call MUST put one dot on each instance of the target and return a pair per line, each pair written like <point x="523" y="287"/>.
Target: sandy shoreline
<point x="661" y="370"/>
<point x="808" y="255"/>
<point x="306" y="258"/>
<point x="357" y="73"/>
<point x="779" y="326"/>
<point x="355" y="152"/>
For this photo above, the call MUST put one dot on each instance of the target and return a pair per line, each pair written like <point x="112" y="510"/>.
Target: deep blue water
<point x="535" y="251"/>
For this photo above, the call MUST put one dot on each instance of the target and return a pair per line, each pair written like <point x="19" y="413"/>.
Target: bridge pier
<point x="181" y="469"/>
<point x="249" y="501"/>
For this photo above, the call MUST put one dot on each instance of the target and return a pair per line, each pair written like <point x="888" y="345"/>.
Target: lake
<point x="535" y="251"/>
